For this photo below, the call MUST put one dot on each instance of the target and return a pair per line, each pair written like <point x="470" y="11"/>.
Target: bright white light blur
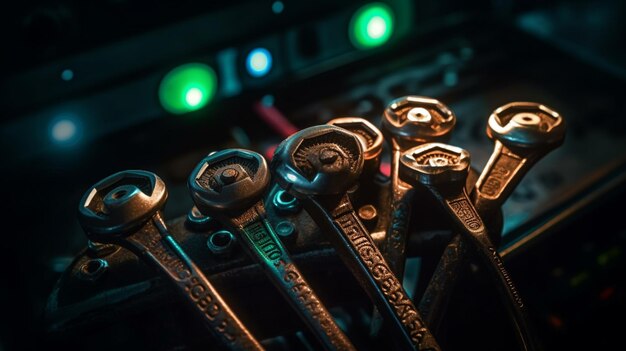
<point x="376" y="27"/>
<point x="193" y="97"/>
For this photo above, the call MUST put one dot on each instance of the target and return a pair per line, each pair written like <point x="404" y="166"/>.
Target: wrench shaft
<point x="434" y="301"/>
<point x="501" y="174"/>
<point x="471" y="226"/>
<point x="156" y="245"/>
<point x="367" y="264"/>
<point x="264" y="246"/>
<point x="396" y="236"/>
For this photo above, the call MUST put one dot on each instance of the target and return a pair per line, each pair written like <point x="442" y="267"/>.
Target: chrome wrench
<point x="523" y="133"/>
<point x="318" y="165"/>
<point x="229" y="185"/>
<point x="125" y="209"/>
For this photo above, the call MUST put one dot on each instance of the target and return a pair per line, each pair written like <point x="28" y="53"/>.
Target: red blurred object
<point x="607" y="293"/>
<point x="269" y="152"/>
<point x="275" y="119"/>
<point x="555" y="321"/>
<point x="385" y="168"/>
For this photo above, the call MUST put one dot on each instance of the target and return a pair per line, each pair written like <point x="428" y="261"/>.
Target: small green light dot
<point x="372" y="25"/>
<point x="187" y="88"/>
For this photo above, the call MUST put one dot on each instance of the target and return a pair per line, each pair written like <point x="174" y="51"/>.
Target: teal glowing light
<point x="67" y="75"/>
<point x="278" y="7"/>
<point x="372" y="25"/>
<point x="187" y="88"/>
<point x="65" y="129"/>
<point x="259" y="62"/>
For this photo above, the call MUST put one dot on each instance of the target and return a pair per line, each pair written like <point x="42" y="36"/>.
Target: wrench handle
<point x="360" y="254"/>
<point x="502" y="173"/>
<point x="435" y="299"/>
<point x="263" y="245"/>
<point x="154" y="244"/>
<point x="398" y="228"/>
<point x="472" y="227"/>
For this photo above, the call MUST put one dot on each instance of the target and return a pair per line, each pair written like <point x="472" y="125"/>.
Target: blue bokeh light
<point x="259" y="62"/>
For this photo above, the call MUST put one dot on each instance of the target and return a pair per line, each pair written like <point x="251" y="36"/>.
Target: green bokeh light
<point x="187" y="88"/>
<point x="372" y="25"/>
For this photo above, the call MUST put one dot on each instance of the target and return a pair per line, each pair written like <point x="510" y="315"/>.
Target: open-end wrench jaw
<point x="229" y="180"/>
<point x="523" y="133"/>
<point x="526" y="125"/>
<point x="319" y="160"/>
<point x="416" y="120"/>
<point x="121" y="203"/>
<point x="435" y="163"/>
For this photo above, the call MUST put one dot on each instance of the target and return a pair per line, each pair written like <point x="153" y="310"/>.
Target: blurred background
<point x="91" y="88"/>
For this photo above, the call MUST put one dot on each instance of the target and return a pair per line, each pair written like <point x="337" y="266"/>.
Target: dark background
<point x="472" y="55"/>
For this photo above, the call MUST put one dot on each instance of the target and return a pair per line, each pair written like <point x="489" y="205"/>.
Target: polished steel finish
<point x="523" y="133"/>
<point x="443" y="170"/>
<point x="124" y="209"/>
<point x="408" y="122"/>
<point x="414" y="120"/>
<point x="212" y="184"/>
<point x="525" y="124"/>
<point x="318" y="165"/>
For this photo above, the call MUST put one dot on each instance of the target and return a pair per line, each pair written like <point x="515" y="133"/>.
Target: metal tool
<point x="443" y="170"/>
<point x="409" y="122"/>
<point x="372" y="145"/>
<point x="523" y="132"/>
<point x="124" y="209"/>
<point x="318" y="165"/>
<point x="229" y="186"/>
<point x="371" y="142"/>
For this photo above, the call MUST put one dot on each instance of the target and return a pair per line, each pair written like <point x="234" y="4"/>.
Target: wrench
<point x="229" y="186"/>
<point x="371" y="142"/>
<point x="372" y="145"/>
<point x="125" y="209"/>
<point x="443" y="170"/>
<point x="523" y="133"/>
<point x="408" y="122"/>
<point x="318" y="165"/>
